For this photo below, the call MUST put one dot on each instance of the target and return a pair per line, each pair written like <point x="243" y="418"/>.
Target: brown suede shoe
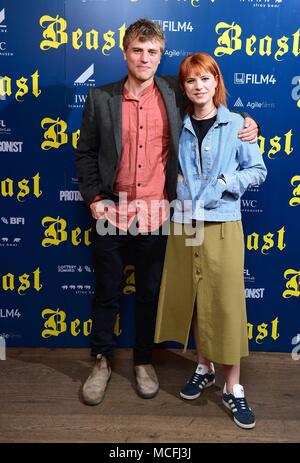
<point x="94" y="387"/>
<point x="146" y="381"/>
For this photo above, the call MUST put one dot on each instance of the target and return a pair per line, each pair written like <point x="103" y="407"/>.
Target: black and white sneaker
<point x="237" y="404"/>
<point x="201" y="379"/>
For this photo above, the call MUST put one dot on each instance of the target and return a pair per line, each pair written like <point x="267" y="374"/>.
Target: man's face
<point x="143" y="59"/>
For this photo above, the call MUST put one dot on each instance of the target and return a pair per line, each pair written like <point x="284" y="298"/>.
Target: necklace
<point x="203" y="117"/>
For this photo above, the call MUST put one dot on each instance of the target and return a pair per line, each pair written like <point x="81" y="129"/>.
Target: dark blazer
<point x="99" y="146"/>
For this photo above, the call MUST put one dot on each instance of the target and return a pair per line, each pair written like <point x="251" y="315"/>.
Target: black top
<point x="201" y="127"/>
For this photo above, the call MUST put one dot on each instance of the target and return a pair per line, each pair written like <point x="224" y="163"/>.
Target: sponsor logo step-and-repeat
<point x="46" y="275"/>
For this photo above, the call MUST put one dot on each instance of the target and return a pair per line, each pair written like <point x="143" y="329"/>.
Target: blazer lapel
<point x="169" y="98"/>
<point x="115" y="105"/>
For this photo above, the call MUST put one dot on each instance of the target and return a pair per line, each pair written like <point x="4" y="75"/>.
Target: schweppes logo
<point x="55" y="34"/>
<point x="231" y="40"/>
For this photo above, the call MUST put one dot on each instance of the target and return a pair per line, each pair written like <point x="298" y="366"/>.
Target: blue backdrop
<point x="51" y="53"/>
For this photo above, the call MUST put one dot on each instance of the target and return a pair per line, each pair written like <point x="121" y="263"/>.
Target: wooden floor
<point x="39" y="400"/>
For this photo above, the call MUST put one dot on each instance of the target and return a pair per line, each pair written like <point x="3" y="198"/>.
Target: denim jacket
<point x="223" y="154"/>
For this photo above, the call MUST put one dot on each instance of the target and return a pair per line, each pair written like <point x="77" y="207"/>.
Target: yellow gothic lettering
<point x="250" y="41"/>
<point x="265" y="46"/>
<point x="55" y="322"/>
<point x="54" y="34"/>
<point x="117" y="330"/>
<point x="7" y="188"/>
<point x="75" y="330"/>
<point x="87" y="327"/>
<point x="275" y="335"/>
<point x="55" y="233"/>
<point x="55" y="136"/>
<point x="76" y="35"/>
<point x="75" y="138"/>
<point x="36" y="185"/>
<point x="92" y="40"/>
<point x="25" y="284"/>
<point x="250" y="331"/>
<point x="23" y="88"/>
<point x="230" y="40"/>
<point x="293" y="283"/>
<point x="262" y="333"/>
<point x="35" y="84"/>
<point x="296" y="191"/>
<point x="283" y="47"/>
<point x="8" y="282"/>
<point x="36" y="279"/>
<point x="87" y="240"/>
<point x="296" y="49"/>
<point x="276" y="145"/>
<point x="269" y="242"/>
<point x="24" y="189"/>
<point x="122" y="30"/>
<point x="110" y="42"/>
<point x="5" y="86"/>
<point x="129" y="280"/>
<point x="75" y="234"/>
<point x="252" y="241"/>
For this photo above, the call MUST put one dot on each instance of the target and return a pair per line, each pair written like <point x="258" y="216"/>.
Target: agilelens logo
<point x="253" y="104"/>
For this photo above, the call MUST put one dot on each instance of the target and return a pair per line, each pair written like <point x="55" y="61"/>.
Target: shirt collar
<point x="128" y="96"/>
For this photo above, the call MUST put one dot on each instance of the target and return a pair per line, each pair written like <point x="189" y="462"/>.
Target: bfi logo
<point x="17" y="221"/>
<point x="13" y="220"/>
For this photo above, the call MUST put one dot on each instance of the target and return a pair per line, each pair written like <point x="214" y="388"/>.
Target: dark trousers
<point x="147" y="254"/>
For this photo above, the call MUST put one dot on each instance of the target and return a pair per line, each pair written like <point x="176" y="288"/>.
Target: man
<point x="129" y="145"/>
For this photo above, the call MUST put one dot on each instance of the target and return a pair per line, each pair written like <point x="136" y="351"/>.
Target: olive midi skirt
<point x="210" y="279"/>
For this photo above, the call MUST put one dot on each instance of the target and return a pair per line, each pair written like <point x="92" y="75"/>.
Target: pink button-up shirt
<point x="142" y="170"/>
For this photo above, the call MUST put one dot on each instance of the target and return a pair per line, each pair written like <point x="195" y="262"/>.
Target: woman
<point x="203" y="286"/>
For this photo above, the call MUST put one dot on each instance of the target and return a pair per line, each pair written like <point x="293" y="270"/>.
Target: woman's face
<point x="200" y="88"/>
